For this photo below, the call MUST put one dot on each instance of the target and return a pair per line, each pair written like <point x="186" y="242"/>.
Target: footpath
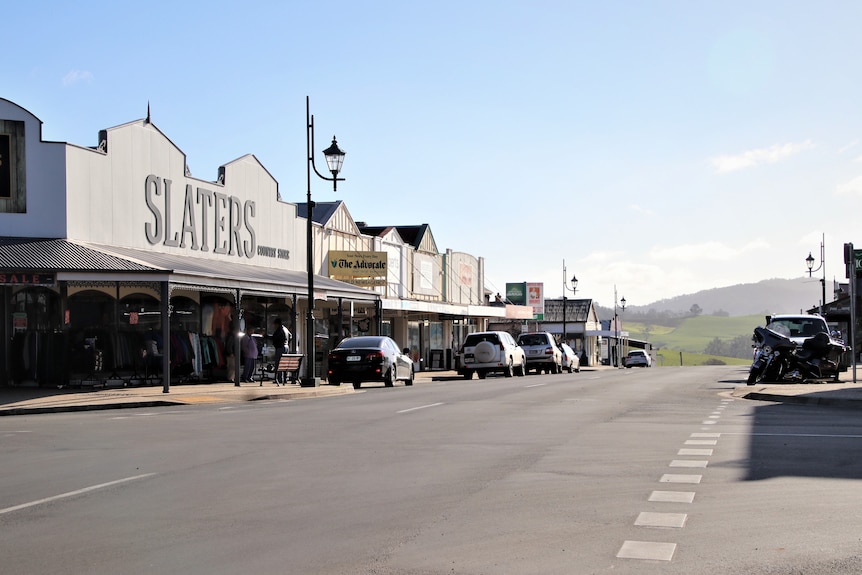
<point x="841" y="394"/>
<point x="35" y="400"/>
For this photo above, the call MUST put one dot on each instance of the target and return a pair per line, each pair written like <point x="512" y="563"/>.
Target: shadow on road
<point x="790" y="440"/>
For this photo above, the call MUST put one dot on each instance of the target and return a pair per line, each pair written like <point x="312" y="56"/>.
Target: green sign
<point x="517" y="293"/>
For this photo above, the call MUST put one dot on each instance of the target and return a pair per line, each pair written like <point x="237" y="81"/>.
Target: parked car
<point x="369" y="358"/>
<point x="571" y="359"/>
<point x="543" y="353"/>
<point x="798" y="327"/>
<point x="638" y="357"/>
<point x="487" y="352"/>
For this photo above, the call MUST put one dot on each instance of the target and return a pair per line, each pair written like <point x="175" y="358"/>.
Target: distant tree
<point x="720" y="313"/>
<point x="739" y="347"/>
<point x="695" y="310"/>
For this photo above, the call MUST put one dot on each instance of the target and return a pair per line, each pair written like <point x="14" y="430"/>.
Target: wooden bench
<point x="289" y="363"/>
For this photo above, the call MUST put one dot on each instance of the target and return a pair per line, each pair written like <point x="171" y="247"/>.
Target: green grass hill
<point x="689" y="339"/>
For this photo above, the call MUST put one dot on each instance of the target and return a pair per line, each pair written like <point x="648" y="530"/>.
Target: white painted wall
<point x="108" y="202"/>
<point x="45" y="181"/>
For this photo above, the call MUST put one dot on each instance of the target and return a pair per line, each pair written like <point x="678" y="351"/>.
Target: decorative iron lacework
<point x="91" y="284"/>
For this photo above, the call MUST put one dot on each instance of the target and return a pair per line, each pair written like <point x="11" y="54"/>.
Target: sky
<point x="649" y="148"/>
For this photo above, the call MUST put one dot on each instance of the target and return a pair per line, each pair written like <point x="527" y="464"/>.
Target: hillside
<point x="767" y="296"/>
<point x="695" y="333"/>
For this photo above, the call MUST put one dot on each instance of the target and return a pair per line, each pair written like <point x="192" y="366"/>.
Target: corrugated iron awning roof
<point x="61" y="255"/>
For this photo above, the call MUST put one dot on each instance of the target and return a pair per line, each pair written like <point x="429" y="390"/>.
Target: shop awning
<point x="459" y="310"/>
<point x="79" y="261"/>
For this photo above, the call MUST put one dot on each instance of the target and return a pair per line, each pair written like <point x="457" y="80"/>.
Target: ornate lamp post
<point x="574" y="288"/>
<point x="334" y="159"/>
<point x="809" y="261"/>
<point x="622" y="302"/>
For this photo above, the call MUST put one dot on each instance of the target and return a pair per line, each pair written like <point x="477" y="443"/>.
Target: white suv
<point x="797" y="327"/>
<point x="637" y="357"/>
<point x="487" y="352"/>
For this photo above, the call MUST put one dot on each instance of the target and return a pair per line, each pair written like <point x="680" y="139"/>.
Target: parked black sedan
<point x="369" y="358"/>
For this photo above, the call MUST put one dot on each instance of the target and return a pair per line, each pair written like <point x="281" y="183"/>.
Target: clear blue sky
<point x="660" y="147"/>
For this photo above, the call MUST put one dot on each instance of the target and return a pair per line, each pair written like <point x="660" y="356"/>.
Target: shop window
<point x="185" y="315"/>
<point x="139" y="312"/>
<point x="36" y="347"/>
<point x="92" y="323"/>
<point x="254" y="314"/>
<point x="217" y="316"/>
<point x="90" y="309"/>
<point x="35" y="309"/>
<point x="13" y="198"/>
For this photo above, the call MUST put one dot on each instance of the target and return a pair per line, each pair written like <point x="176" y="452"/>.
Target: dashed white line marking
<point x="672" y="496"/>
<point x="534" y="385"/>
<point x="694" y="452"/>
<point x="688" y="463"/>
<point x="716" y="435"/>
<point x="709" y="422"/>
<point x="701" y="442"/>
<point x="826" y="435"/>
<point x="676" y="478"/>
<point x="647" y="550"/>
<point x="649" y="519"/>
<point x="420" y="407"/>
<point x="73" y="493"/>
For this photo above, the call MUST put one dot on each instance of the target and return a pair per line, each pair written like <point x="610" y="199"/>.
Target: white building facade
<point x="118" y="267"/>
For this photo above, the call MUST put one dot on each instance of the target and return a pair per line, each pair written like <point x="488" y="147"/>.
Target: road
<point x="619" y="471"/>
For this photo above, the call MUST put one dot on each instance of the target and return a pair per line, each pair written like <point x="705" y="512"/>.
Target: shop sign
<point x="466" y="274"/>
<point x="352" y="265"/>
<point x="27" y="278"/>
<point x="516" y="293"/>
<point x="366" y="282"/>
<point x="536" y="299"/>
<point x="210" y="220"/>
<point x="19" y="322"/>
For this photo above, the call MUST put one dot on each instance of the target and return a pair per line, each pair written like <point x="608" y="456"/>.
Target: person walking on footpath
<point x="249" y="356"/>
<point x="280" y="341"/>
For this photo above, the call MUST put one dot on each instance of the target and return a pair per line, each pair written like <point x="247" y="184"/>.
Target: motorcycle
<point x="778" y="358"/>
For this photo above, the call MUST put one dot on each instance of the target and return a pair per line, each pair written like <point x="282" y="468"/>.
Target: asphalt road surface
<point x="619" y="471"/>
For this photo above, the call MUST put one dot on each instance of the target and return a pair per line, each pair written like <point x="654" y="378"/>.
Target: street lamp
<point x="574" y="288"/>
<point x="622" y="303"/>
<point x="809" y="261"/>
<point x="334" y="160"/>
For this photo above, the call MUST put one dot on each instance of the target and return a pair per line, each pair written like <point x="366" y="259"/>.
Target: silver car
<point x="542" y="351"/>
